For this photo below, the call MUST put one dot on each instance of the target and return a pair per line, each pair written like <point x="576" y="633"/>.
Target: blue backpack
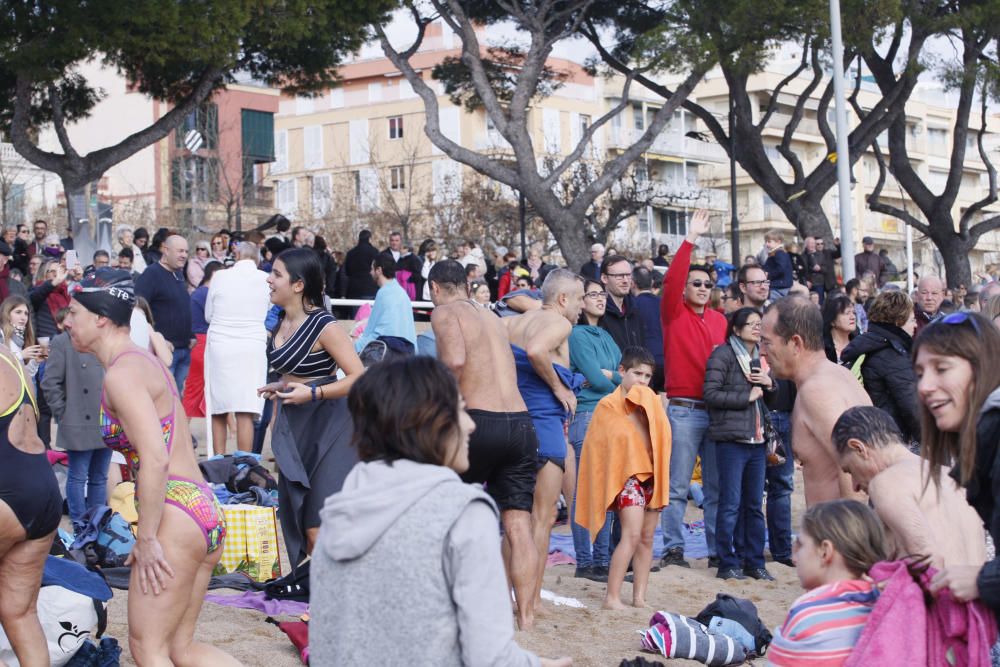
<point x="107" y="535"/>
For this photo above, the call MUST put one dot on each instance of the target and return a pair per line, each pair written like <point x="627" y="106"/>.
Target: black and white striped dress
<point x="311" y="442"/>
<point x="296" y="356"/>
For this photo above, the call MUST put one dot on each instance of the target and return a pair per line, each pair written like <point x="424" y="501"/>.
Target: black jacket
<point x="732" y="417"/>
<point x="625" y="328"/>
<point x="888" y="374"/>
<point x="983" y="491"/>
<point x="358" y="269"/>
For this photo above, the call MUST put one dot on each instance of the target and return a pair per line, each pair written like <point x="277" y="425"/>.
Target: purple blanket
<point x="256" y="600"/>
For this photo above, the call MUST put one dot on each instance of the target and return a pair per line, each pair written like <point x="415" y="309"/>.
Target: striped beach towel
<point x="823" y="625"/>
<point x="676" y="636"/>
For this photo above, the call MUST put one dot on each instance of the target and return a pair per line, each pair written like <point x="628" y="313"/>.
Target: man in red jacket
<point x="691" y="331"/>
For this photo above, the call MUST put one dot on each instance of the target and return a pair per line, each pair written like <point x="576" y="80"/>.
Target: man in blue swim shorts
<point x="540" y="342"/>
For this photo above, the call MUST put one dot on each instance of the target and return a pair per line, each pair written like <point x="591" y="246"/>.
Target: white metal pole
<point x="909" y="260"/>
<point x="843" y="153"/>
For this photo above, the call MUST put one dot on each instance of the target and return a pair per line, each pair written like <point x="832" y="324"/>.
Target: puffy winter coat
<point x="888" y="373"/>
<point x="732" y="417"/>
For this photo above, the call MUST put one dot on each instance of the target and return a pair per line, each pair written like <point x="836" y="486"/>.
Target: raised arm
<point x="676" y="278"/>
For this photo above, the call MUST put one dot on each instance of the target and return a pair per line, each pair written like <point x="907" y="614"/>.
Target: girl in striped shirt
<point x="839" y="542"/>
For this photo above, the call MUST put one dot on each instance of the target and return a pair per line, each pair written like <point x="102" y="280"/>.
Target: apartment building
<point x="219" y="184"/>
<point x="930" y="117"/>
<point x="359" y="151"/>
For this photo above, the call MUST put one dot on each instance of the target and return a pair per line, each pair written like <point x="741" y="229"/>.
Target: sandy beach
<point x="591" y="636"/>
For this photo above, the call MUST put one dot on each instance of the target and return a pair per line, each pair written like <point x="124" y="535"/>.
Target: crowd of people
<point x="650" y="369"/>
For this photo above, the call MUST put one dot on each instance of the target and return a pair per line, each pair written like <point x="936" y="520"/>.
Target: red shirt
<point x="688" y="338"/>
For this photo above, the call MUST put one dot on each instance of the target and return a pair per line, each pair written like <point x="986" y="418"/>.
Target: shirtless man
<point x="540" y="341"/>
<point x="472" y="343"/>
<point x="930" y="519"/>
<point x="792" y="342"/>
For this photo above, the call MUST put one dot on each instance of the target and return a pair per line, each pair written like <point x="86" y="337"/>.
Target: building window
<point x="638" y="119"/>
<point x="673" y="223"/>
<point x="584" y="124"/>
<point x="397" y="179"/>
<point x="641" y="172"/>
<point x="194" y="175"/>
<point x="205" y="119"/>
<point x="396" y="127"/>
<point x="356" y="179"/>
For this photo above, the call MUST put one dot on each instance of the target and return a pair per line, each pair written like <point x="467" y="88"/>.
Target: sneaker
<point x="674" y="556"/>
<point x="758" y="573"/>
<point x="714" y="561"/>
<point x="601" y="570"/>
<point x="786" y="561"/>
<point x="732" y="573"/>
<point x="591" y="574"/>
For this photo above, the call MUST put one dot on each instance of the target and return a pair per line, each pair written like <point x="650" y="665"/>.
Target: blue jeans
<point x="587" y="554"/>
<point x="260" y="427"/>
<point x="778" y="485"/>
<point x="741" y="492"/>
<point x="87" y="481"/>
<point x="778" y="292"/>
<point x="180" y="366"/>
<point x="689" y="431"/>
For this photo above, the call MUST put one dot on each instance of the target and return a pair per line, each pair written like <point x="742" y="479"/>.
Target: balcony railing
<point x="260" y="196"/>
<point x="670" y="143"/>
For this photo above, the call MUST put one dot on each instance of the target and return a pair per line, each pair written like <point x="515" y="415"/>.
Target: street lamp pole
<point x="843" y="150"/>
<point x="521" y="212"/>
<point x="734" y="218"/>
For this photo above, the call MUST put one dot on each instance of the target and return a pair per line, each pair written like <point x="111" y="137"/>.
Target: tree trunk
<point x="809" y="218"/>
<point x="571" y="240"/>
<point x="955" y="252"/>
<point x="79" y="221"/>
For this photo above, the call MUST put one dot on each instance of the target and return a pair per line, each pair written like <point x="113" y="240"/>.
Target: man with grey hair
<point x="930" y="295"/>
<point x="923" y="516"/>
<point x="236" y="360"/>
<point x="540" y="342"/>
<point x="986" y="291"/>
<point x="592" y="269"/>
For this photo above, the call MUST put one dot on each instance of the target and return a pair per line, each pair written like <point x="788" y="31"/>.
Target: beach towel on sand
<point x="677" y="636"/>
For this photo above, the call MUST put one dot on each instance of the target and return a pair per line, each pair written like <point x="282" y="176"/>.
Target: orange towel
<point x="614" y="450"/>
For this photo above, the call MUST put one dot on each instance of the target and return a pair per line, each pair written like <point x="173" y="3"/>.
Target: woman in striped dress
<point x="312" y="428"/>
<point x="839" y="542"/>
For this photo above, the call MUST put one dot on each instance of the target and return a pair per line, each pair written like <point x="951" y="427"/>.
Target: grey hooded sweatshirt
<point x="407" y="571"/>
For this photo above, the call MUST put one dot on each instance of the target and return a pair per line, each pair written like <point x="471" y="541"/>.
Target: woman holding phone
<point x="735" y="382"/>
<point x="312" y="427"/>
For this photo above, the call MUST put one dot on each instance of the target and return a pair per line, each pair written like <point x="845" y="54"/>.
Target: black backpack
<point x="743" y="612"/>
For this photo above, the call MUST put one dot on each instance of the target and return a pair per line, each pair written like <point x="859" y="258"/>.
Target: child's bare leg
<point x="643" y="557"/>
<point x="631" y="519"/>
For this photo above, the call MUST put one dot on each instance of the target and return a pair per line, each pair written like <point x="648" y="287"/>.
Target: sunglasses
<point x="707" y="284"/>
<point x="960" y="318"/>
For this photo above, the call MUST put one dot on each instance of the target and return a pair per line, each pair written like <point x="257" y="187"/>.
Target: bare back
<point x="473" y="343"/>
<point x="931" y="521"/>
<point x="543" y="324"/>
<point x="825" y="394"/>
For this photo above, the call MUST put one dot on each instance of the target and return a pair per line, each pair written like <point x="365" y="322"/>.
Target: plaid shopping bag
<point x="251" y="544"/>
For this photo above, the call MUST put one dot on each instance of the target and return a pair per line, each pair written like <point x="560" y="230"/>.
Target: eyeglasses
<point x="707" y="284"/>
<point x="619" y="276"/>
<point x="596" y="295"/>
<point x="757" y="283"/>
<point x="961" y="318"/>
<point x="753" y="325"/>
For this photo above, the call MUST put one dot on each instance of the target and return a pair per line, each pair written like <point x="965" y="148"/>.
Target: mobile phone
<point x="72" y="260"/>
<point x="754" y="365"/>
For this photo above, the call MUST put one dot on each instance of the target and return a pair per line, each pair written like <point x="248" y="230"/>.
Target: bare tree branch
<point x="772" y="105"/>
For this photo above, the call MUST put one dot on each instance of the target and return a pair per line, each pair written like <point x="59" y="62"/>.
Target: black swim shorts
<point x="502" y="454"/>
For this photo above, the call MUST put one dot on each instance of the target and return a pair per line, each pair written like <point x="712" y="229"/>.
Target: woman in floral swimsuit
<point x="181" y="527"/>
